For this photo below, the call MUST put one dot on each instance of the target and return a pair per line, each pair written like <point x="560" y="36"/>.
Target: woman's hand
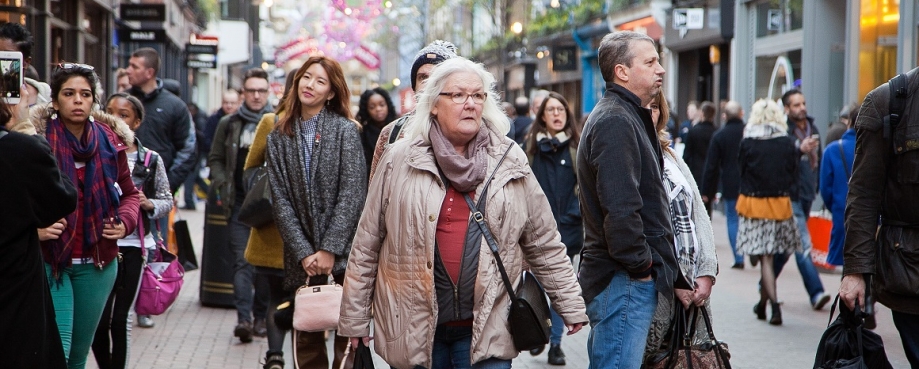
<point x="703" y="290"/>
<point x="574" y="328"/>
<point x="53" y="232"/>
<point x="354" y="342"/>
<point x="145" y="203"/>
<point x="685" y="296"/>
<point x="20" y="111"/>
<point x="319" y="263"/>
<point x="113" y="231"/>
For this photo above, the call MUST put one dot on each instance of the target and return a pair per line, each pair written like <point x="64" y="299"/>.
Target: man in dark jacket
<point x="697" y="141"/>
<point x="33" y="194"/>
<point x="628" y="255"/>
<point x="801" y="128"/>
<point x="721" y="163"/>
<point x="885" y="186"/>
<point x="521" y="123"/>
<point x="228" y="105"/>
<point x="227" y="158"/>
<point x="167" y="127"/>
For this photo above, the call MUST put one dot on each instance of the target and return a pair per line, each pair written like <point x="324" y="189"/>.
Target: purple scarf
<point x="100" y="197"/>
<point x="464" y="172"/>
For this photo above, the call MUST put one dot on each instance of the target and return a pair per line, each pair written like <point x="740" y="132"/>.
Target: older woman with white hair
<point x="419" y="267"/>
<point x="768" y="164"/>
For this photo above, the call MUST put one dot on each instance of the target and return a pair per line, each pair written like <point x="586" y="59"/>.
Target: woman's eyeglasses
<point x="460" y="98"/>
<point x="555" y="109"/>
<point x="68" y="66"/>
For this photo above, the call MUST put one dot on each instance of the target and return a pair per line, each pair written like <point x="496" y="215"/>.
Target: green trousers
<point x="79" y="298"/>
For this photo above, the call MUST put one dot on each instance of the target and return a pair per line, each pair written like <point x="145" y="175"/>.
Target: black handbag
<point x="255" y="210"/>
<point x="363" y="358"/>
<point x="847" y="344"/>
<point x="681" y="353"/>
<point x="185" y="249"/>
<point x="529" y="319"/>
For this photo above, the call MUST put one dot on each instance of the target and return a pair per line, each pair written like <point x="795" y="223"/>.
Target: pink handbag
<point x="317" y="308"/>
<point x="160" y="281"/>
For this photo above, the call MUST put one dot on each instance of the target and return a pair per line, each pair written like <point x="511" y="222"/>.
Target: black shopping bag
<point x="186" y="249"/>
<point x="847" y="344"/>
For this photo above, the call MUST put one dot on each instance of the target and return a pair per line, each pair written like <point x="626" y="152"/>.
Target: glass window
<point x="778" y="16"/>
<point x="776" y="74"/>
<point x="877" y="52"/>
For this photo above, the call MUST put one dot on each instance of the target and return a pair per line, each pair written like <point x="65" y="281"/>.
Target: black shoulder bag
<point x="847" y="344"/>
<point x="529" y="319"/>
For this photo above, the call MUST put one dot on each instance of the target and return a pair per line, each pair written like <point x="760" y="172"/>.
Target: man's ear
<point x="621" y="72"/>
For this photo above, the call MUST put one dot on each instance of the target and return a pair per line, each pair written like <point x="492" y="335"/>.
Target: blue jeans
<point x="730" y="212"/>
<point x="558" y="328"/>
<point x="809" y="275"/>
<point x="243" y="272"/>
<point x="453" y="350"/>
<point x="908" y="326"/>
<point x="620" y="318"/>
<point x="194" y="178"/>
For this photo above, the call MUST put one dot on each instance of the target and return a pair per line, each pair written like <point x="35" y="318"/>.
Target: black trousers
<point x="113" y="353"/>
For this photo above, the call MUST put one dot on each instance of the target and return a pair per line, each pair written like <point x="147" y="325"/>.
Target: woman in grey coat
<point x="318" y="182"/>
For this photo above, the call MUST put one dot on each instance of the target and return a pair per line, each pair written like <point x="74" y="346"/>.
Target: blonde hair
<point x="766" y="111"/>
<point x="492" y="113"/>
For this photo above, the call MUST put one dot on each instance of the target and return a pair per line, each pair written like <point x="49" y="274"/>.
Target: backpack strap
<point x="396" y="128"/>
<point x="896" y="102"/>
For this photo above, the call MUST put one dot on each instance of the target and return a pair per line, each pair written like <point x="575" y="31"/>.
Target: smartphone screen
<point x="12" y="75"/>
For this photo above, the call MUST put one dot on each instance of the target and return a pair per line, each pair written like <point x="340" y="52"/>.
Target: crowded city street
<point x="192" y="336"/>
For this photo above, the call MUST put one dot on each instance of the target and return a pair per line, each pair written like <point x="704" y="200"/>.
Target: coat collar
<point x="41" y="113"/>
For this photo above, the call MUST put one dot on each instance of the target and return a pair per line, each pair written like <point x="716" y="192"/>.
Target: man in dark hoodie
<point x="232" y="140"/>
<point x="167" y="127"/>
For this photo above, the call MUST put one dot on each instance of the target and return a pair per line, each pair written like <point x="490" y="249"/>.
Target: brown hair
<point x="539" y="124"/>
<point x="661" y="125"/>
<point x="338" y="104"/>
<point x="151" y="57"/>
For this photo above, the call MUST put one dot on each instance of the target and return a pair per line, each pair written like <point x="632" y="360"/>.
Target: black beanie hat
<point x="435" y="53"/>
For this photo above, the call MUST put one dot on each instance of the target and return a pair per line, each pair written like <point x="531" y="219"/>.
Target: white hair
<point x="766" y="111"/>
<point x="492" y="114"/>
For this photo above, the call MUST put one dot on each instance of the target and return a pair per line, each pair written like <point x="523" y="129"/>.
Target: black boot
<point x="556" y="356"/>
<point x="760" y="310"/>
<point x="776" y="314"/>
<point x="538" y="350"/>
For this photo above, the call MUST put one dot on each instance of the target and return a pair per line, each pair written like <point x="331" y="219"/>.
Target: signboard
<point x="688" y="18"/>
<point x="564" y="58"/>
<point x="774" y="20"/>
<point x="143" y="12"/>
<point x="191" y="48"/>
<point x="367" y="57"/>
<point x="141" y="35"/>
<point x="200" y="64"/>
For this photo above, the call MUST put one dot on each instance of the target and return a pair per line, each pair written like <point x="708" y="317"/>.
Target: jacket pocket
<point x="907" y="165"/>
<point x="898" y="261"/>
<point x="388" y="308"/>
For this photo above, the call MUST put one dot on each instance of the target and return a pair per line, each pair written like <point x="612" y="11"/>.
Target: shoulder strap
<point x="147" y="158"/>
<point x="2" y="133"/>
<point x="896" y="102"/>
<point x="842" y="154"/>
<point x="396" y="128"/>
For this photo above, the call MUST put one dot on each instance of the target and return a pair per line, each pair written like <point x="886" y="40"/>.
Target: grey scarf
<point x="463" y="172"/>
<point x="250" y="116"/>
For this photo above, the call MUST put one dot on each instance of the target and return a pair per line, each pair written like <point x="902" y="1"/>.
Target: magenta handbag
<point x="160" y="281"/>
<point x="317" y="307"/>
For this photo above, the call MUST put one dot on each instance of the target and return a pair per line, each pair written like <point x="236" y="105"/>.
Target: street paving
<point x="192" y="336"/>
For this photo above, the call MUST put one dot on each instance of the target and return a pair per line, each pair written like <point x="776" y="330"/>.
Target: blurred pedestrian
<point x="123" y="83"/>
<point x="434" y="53"/>
<point x="693" y="238"/>
<point x="235" y="135"/>
<point x="722" y="171"/>
<point x="697" y="142"/>
<point x="375" y="111"/>
<point x="835" y="171"/>
<point x="551" y="147"/>
<point x="768" y="165"/>
<point x="457" y="137"/>
<point x="80" y="251"/>
<point x="34" y="194"/>
<point x="112" y="341"/>
<point x="229" y="103"/>
<point x="520" y="126"/>
<point x="318" y="182"/>
<point x="802" y="130"/>
<point x="628" y="257"/>
<point x="200" y="159"/>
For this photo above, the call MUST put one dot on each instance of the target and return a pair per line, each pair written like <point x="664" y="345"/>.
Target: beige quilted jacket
<point x="390" y="274"/>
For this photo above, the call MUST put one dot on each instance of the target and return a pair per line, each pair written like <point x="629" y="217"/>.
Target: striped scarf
<point x="100" y="196"/>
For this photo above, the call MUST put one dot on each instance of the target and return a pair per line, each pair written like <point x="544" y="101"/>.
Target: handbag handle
<point x="721" y="355"/>
<point x="329" y="281"/>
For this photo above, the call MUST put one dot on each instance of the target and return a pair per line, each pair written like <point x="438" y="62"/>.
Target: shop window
<point x="779" y="16"/>
<point x="877" y="52"/>
<point x="776" y="74"/>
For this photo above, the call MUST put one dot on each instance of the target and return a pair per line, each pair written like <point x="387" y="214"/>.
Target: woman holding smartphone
<point x="80" y="251"/>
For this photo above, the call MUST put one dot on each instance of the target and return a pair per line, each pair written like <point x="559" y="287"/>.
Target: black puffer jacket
<point x="167" y="129"/>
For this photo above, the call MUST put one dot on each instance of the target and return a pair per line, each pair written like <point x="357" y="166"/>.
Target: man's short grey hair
<point x="492" y="114"/>
<point x="616" y="48"/>
<point x="732" y="110"/>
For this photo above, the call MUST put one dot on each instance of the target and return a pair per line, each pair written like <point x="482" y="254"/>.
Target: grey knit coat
<point x="319" y="213"/>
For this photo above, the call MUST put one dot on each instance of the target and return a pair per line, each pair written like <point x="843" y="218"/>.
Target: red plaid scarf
<point x="100" y="197"/>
